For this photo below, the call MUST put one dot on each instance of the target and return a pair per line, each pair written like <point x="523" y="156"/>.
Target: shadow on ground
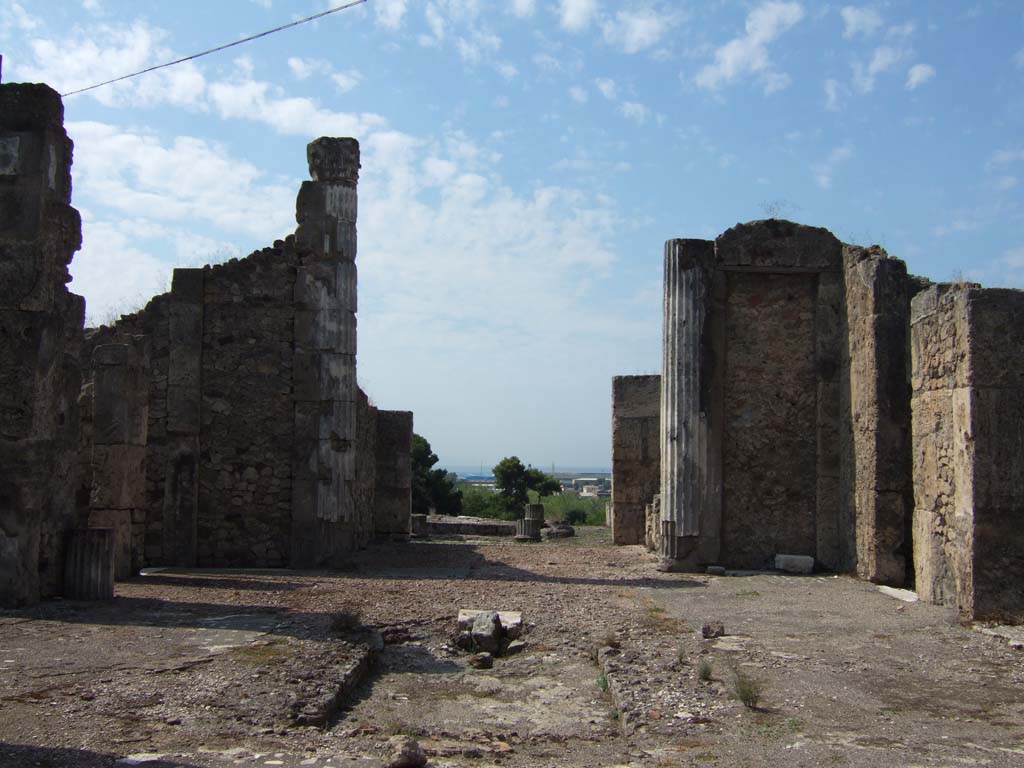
<point x="24" y="756"/>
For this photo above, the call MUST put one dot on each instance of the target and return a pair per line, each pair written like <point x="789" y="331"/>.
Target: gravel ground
<point x="215" y="668"/>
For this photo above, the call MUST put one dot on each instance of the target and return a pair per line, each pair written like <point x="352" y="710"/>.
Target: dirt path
<point x="212" y="669"/>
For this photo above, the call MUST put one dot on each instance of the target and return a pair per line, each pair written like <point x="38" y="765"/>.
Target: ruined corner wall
<point x="877" y="498"/>
<point x="636" y="454"/>
<point x="968" y="449"/>
<point x="261" y="450"/>
<point x="393" y="505"/>
<point x="40" y="335"/>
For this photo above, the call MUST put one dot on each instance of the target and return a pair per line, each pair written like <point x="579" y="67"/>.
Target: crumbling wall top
<point x="769" y="244"/>
<point x="334" y="159"/>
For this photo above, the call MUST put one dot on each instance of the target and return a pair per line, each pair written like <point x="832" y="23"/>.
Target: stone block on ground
<point x="794" y="563"/>
<point x="486" y="631"/>
<point x="511" y="621"/>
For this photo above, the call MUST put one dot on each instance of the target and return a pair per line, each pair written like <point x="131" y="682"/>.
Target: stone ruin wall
<point x="789" y="425"/>
<point x="393" y="502"/>
<point x="636" y="454"/>
<point x="752" y="364"/>
<point x="40" y="334"/>
<point x="262" y="450"/>
<point x="968" y="449"/>
<point x="786" y="407"/>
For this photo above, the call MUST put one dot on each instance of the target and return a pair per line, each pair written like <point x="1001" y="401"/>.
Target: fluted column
<point x="689" y="268"/>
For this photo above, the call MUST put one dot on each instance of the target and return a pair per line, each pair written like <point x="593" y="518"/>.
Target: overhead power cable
<point x="306" y="20"/>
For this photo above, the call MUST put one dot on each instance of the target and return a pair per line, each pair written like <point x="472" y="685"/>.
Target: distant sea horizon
<point x="475" y="469"/>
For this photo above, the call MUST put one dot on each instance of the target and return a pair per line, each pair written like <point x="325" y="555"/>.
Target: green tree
<point x="432" y="488"/>
<point x="514" y="481"/>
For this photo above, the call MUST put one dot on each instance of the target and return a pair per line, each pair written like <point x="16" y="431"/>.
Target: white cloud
<point x="576" y="15"/>
<point x="347" y="80"/>
<point x="632" y="31"/>
<point x="523" y="8"/>
<point x="246" y="99"/>
<point x="477" y="45"/>
<point x="919" y="74"/>
<point x="1002" y="158"/>
<point x="303" y="69"/>
<point x="824" y="171"/>
<point x="748" y="54"/>
<point x="103" y="52"/>
<point x="607" y="87"/>
<point x="632" y="110"/>
<point x="508" y="70"/>
<point x="13" y="16"/>
<point x="884" y="58"/>
<point x="390" y="12"/>
<point x="833" y="91"/>
<point x="578" y="94"/>
<point x="91" y="5"/>
<point x="185" y="180"/>
<point x="862" y="22"/>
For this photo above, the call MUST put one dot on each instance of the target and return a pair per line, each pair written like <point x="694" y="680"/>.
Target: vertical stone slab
<point x="686" y="471"/>
<point x="120" y="418"/>
<point x="40" y="334"/>
<point x="393" y="507"/>
<point x="829" y="326"/>
<point x="968" y="449"/>
<point x="636" y="454"/>
<point x="941" y="476"/>
<point x="184" y="403"/>
<point x="324" y="378"/>
<point x="995" y="323"/>
<point x="877" y="370"/>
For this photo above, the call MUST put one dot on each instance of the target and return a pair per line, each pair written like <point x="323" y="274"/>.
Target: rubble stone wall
<point x="246" y="414"/>
<point x="968" y="449"/>
<point x="40" y="340"/>
<point x="636" y="454"/>
<point x="261" y="450"/>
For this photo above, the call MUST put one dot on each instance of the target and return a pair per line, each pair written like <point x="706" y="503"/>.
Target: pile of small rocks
<point x="487" y="634"/>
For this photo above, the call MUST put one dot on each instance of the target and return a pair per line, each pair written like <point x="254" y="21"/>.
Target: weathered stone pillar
<point x="40" y="335"/>
<point x="120" y="417"/>
<point x="636" y="454"/>
<point x="877" y="408"/>
<point x="687" y="474"/>
<point x="528" y="528"/>
<point x="968" y="449"/>
<point x="184" y="401"/>
<point x="324" y="369"/>
<point x="393" y="493"/>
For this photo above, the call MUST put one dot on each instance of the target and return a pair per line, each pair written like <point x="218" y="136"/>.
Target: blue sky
<point x="524" y="162"/>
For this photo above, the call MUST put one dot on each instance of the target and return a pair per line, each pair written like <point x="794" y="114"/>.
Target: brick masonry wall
<point x="636" y="454"/>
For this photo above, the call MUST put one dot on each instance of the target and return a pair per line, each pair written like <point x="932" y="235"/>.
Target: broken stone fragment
<point x="464" y="640"/>
<point x="516" y="646"/>
<point x="511" y="622"/>
<point x="559" y="530"/>
<point x="481" y="660"/>
<point x="794" y="563"/>
<point x="404" y="752"/>
<point x="486" y="631"/>
<point x="712" y="629"/>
